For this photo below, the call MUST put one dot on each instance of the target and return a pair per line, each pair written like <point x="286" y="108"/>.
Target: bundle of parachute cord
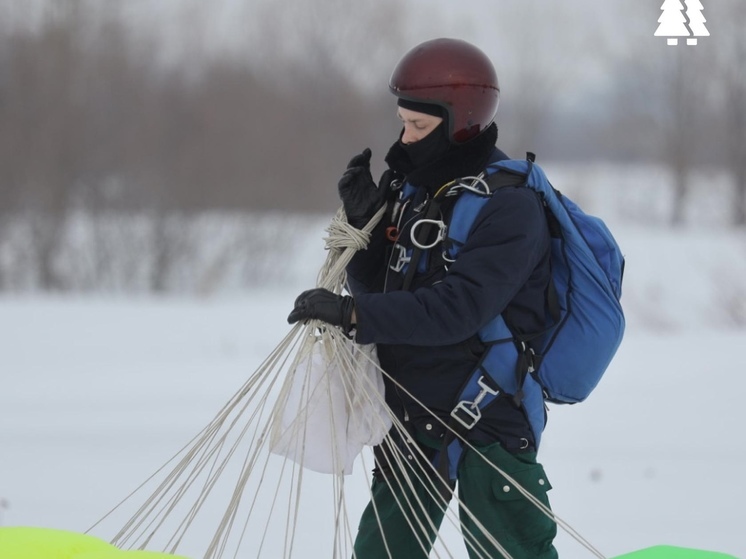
<point x="270" y="475"/>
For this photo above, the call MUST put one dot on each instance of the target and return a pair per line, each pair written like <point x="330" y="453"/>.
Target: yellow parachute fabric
<point x="669" y="552"/>
<point x="23" y="542"/>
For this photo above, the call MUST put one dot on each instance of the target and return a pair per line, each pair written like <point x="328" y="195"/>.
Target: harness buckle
<point x="471" y="409"/>
<point x="401" y="260"/>
<point x="465" y="407"/>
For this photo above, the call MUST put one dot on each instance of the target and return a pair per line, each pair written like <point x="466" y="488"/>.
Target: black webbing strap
<point x="505" y="178"/>
<point x="453" y="432"/>
<point x="553" y="301"/>
<point x="526" y="362"/>
<point x="431" y="212"/>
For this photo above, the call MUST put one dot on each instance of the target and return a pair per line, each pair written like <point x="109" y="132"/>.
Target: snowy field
<point x="97" y="393"/>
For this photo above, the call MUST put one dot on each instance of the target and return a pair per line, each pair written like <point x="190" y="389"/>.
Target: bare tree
<point x="736" y="141"/>
<point x="43" y="126"/>
<point x="680" y="97"/>
<point x="731" y="56"/>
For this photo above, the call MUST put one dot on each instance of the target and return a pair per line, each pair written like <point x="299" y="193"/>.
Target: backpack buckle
<point x="468" y="413"/>
<point x="401" y="260"/>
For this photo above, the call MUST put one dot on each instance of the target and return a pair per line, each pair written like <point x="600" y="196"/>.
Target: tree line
<point x="93" y="122"/>
<point x="90" y="119"/>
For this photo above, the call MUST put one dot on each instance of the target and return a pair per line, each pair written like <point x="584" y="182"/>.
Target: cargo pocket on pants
<point x="501" y="509"/>
<point x="521" y="520"/>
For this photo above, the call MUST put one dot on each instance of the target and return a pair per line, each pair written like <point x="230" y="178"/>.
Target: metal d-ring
<point x="442" y="228"/>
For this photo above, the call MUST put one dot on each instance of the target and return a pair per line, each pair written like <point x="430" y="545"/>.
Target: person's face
<point x="416" y="125"/>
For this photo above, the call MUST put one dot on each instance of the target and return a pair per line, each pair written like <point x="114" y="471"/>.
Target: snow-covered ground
<point x="97" y="393"/>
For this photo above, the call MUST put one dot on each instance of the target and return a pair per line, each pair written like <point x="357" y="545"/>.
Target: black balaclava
<point x="433" y="145"/>
<point x="429" y="148"/>
<point x="434" y="160"/>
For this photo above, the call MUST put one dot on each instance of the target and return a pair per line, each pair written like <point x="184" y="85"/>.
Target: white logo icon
<point x="674" y="22"/>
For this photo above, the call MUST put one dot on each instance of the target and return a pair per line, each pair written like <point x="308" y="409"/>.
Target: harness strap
<point x="527" y="363"/>
<point x="431" y="211"/>
<point x="467" y="414"/>
<point x="553" y="302"/>
<point x="449" y="456"/>
<point x="505" y="178"/>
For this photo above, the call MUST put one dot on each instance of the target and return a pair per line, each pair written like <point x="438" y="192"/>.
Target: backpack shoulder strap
<point x="500" y="174"/>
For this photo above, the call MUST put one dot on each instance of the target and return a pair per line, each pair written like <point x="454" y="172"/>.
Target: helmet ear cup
<point x="454" y="75"/>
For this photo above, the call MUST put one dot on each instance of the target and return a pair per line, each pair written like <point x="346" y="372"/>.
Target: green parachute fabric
<point x="24" y="542"/>
<point x="669" y="552"/>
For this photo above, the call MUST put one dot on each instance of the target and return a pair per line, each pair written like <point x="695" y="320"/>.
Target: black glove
<point x="324" y="305"/>
<point x="360" y="196"/>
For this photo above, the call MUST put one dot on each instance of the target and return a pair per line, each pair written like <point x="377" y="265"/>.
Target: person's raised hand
<point x="360" y="196"/>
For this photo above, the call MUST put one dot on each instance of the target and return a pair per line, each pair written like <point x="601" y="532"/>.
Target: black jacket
<point x="426" y="336"/>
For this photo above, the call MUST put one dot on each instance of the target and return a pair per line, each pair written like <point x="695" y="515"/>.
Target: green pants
<point x="395" y="525"/>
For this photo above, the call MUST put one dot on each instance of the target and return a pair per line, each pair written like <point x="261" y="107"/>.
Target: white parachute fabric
<point x="323" y="418"/>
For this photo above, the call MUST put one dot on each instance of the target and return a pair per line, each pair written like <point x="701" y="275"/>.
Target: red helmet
<point x="455" y="75"/>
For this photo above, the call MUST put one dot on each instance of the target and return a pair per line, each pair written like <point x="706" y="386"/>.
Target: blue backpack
<point x="564" y="363"/>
